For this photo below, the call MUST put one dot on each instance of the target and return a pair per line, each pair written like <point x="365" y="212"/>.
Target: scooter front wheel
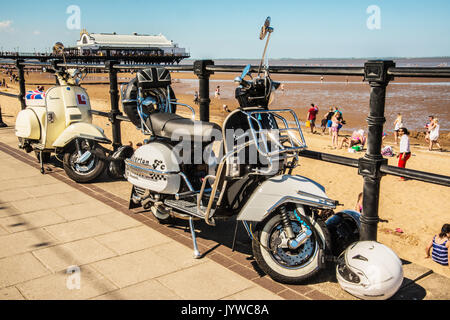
<point x="285" y="264"/>
<point x="87" y="167"/>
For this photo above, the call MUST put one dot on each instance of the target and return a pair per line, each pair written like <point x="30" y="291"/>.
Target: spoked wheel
<point x="86" y="166"/>
<point x="282" y="262"/>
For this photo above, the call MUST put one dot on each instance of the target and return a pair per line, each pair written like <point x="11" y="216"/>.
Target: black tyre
<point x="288" y="265"/>
<point x="88" y="170"/>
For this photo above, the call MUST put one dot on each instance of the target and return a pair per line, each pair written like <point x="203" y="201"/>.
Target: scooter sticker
<point x="81" y="98"/>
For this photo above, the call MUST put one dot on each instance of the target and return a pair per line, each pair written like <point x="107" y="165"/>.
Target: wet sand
<point x="419" y="209"/>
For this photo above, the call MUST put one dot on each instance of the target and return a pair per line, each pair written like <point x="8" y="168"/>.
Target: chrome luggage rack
<point x="278" y="136"/>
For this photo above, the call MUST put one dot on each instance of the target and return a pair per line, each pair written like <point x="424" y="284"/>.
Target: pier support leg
<point x="376" y="73"/>
<point x="203" y="91"/>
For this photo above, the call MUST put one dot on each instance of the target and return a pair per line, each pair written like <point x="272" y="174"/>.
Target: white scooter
<point x="242" y="170"/>
<point x="59" y="121"/>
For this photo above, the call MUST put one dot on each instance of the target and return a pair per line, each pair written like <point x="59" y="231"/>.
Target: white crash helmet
<point x="369" y="270"/>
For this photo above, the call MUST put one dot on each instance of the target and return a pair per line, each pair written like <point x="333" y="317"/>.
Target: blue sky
<point x="230" y="28"/>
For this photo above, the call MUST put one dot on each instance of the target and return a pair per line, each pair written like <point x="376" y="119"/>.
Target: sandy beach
<point x="419" y="209"/>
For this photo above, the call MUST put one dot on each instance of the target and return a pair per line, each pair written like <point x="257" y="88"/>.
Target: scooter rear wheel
<point x="87" y="171"/>
<point x="289" y="265"/>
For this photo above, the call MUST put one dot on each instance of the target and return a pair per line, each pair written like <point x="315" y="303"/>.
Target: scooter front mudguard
<point x="80" y="130"/>
<point x="284" y="189"/>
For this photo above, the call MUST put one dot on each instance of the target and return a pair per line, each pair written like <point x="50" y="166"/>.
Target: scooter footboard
<point x="284" y="189"/>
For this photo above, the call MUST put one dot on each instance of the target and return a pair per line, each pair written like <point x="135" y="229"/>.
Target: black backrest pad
<point x="154" y="77"/>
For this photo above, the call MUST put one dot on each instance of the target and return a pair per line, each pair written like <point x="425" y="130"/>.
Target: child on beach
<point x="405" y="151"/>
<point x="434" y="134"/>
<point x="335" y="130"/>
<point x="440" y="244"/>
<point x="398" y="123"/>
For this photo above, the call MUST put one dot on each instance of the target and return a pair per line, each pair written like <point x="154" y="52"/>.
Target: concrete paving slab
<point x="78" y="253"/>
<point x="85" y="284"/>
<point x="179" y="255"/>
<point x="8" y="210"/>
<point x="147" y="290"/>
<point x="20" y="268"/>
<point x="437" y="287"/>
<point x="11" y="293"/>
<point x="13" y="195"/>
<point x="3" y="231"/>
<point x="50" y="189"/>
<point x="31" y="220"/>
<point x="134" y="239"/>
<point x="135" y="267"/>
<point x="205" y="281"/>
<point x="90" y="208"/>
<point x="19" y="184"/>
<point x="41" y="203"/>
<point x="79" y="229"/>
<point x="25" y="241"/>
<point x="119" y="221"/>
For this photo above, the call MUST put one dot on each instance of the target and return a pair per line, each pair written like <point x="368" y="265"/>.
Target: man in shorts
<point x="311" y="117"/>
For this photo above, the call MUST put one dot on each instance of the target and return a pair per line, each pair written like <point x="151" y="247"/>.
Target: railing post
<point x="375" y="72"/>
<point x="114" y="97"/>
<point x="203" y="91"/>
<point x="21" y="75"/>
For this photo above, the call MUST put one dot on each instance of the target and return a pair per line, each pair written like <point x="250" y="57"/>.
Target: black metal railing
<point x="372" y="166"/>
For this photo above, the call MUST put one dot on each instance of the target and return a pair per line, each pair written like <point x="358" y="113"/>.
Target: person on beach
<point x="359" y="205"/>
<point x="335" y="129"/>
<point x="434" y="134"/>
<point x="311" y="116"/>
<point x="358" y="138"/>
<point x="427" y="126"/>
<point x="217" y="93"/>
<point x="339" y="117"/>
<point x="440" y="244"/>
<point x="405" y="151"/>
<point x="326" y="121"/>
<point x="398" y="123"/>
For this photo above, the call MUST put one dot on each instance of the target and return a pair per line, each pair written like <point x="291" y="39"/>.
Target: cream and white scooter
<point x="59" y="121"/>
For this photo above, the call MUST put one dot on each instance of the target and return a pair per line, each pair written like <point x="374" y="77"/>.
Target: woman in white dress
<point x="434" y="134"/>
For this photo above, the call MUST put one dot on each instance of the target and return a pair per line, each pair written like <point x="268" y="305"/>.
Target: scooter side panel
<point x="77" y="104"/>
<point x="82" y="130"/>
<point x="283" y="189"/>
<point x="27" y="125"/>
<point x="55" y="105"/>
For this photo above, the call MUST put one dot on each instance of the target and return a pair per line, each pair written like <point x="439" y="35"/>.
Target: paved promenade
<point x="63" y="240"/>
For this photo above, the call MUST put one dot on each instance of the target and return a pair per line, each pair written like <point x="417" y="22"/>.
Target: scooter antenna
<point x="265" y="29"/>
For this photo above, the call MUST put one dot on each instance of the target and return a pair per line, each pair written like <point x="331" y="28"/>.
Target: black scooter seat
<point x="175" y="127"/>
